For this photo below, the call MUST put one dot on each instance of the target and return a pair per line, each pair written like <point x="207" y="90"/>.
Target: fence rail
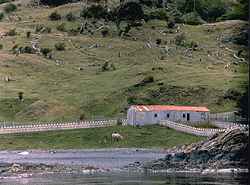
<point x="192" y="130"/>
<point x="39" y="127"/>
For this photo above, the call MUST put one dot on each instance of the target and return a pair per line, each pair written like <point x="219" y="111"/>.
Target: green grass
<point x="144" y="137"/>
<point x="64" y="92"/>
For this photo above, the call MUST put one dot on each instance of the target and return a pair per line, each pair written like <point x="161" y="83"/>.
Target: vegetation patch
<point x="139" y="137"/>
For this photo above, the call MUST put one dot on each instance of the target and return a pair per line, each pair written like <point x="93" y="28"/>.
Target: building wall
<point x="153" y="117"/>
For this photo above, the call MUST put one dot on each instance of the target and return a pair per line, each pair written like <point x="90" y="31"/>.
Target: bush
<point x="82" y="117"/>
<point x="1" y="15"/>
<point x="1" y="46"/>
<point x="12" y="32"/>
<point x="239" y="10"/>
<point x="158" y="41"/>
<point x="130" y="11"/>
<point x="60" y="46"/>
<point x="4" y="1"/>
<point x="160" y="14"/>
<point x="61" y="27"/>
<point x="193" y="18"/>
<point x="28" y="49"/>
<point x="70" y="17"/>
<point x="94" y="11"/>
<point x="105" y="32"/>
<point x="10" y="8"/>
<point x="54" y="16"/>
<point x="56" y="2"/>
<point x="180" y="39"/>
<point x="45" y="51"/>
<point x="208" y="10"/>
<point x="42" y="29"/>
<point x="148" y="79"/>
<point x="232" y="94"/>
<point x="28" y="33"/>
<point x="171" y="24"/>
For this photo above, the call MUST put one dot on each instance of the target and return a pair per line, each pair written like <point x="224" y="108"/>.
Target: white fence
<point x="22" y="128"/>
<point x="191" y="130"/>
<point x="222" y="124"/>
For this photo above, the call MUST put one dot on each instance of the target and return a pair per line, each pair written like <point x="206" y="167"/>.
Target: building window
<point x="155" y="115"/>
<point x="168" y="115"/>
<point x="184" y="115"/>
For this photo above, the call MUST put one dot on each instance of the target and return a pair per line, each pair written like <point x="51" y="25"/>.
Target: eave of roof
<point x="148" y="108"/>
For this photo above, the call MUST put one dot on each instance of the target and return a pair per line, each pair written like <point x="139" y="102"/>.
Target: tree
<point x="130" y="11"/>
<point x="243" y="104"/>
<point x="238" y="11"/>
<point x="54" y="2"/>
<point x="10" y="8"/>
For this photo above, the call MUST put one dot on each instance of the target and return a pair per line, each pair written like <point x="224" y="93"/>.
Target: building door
<point x="188" y="117"/>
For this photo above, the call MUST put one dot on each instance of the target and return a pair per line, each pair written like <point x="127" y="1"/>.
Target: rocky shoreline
<point x="222" y="153"/>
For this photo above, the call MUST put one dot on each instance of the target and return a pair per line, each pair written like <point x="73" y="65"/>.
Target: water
<point x="127" y="179"/>
<point x="113" y="162"/>
<point x="100" y="158"/>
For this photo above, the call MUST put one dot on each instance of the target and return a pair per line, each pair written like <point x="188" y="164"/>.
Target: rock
<point x="200" y="156"/>
<point x="15" y="168"/>
<point x="179" y="156"/>
<point x="222" y="150"/>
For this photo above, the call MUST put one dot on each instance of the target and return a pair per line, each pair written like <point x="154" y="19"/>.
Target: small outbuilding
<point x="153" y="114"/>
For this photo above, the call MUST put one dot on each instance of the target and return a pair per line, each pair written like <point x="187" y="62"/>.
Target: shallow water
<point x="127" y="179"/>
<point x="114" y="161"/>
<point x="106" y="159"/>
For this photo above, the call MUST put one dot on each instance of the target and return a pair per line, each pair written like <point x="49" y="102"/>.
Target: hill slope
<point x="101" y="76"/>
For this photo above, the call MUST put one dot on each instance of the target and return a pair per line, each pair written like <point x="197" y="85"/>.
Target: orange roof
<point x="144" y="108"/>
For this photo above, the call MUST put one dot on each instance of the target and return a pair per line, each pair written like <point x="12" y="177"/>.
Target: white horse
<point x="116" y="136"/>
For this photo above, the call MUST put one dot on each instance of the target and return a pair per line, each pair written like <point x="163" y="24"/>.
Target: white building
<point x="152" y="114"/>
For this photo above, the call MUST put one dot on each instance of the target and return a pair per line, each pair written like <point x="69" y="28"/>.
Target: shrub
<point x="10" y="8"/>
<point x="12" y="32"/>
<point x="209" y="10"/>
<point x="171" y="24"/>
<point x="28" y="33"/>
<point x="42" y="29"/>
<point x="160" y="14"/>
<point x="54" y="16"/>
<point x="180" y="39"/>
<point x="55" y="2"/>
<point x="70" y="17"/>
<point x="60" y="46"/>
<point x="105" y="66"/>
<point x="232" y="94"/>
<point x="27" y="49"/>
<point x="94" y="11"/>
<point x="45" y="51"/>
<point x="148" y="79"/>
<point x="193" y="18"/>
<point x="4" y="1"/>
<point x="82" y="117"/>
<point x="61" y="27"/>
<point x="20" y="96"/>
<point x="158" y="41"/>
<point x="130" y="11"/>
<point x="1" y="15"/>
<point x="1" y="46"/>
<point x="105" y="32"/>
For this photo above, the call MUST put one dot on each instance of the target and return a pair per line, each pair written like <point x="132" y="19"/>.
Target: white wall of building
<point x="153" y="117"/>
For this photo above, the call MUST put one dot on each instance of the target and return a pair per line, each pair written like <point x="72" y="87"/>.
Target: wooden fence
<point x="190" y="129"/>
<point x="39" y="127"/>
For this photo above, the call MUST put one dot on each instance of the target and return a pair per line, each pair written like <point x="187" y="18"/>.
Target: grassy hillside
<point x="144" y="137"/>
<point x="73" y="82"/>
